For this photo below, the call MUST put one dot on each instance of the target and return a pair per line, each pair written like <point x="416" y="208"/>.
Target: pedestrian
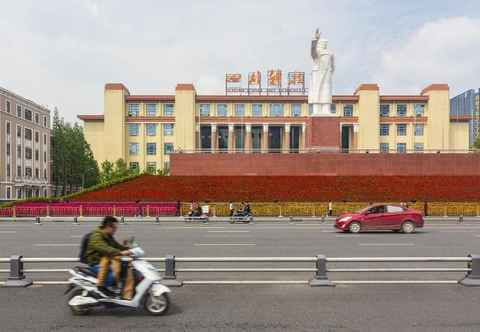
<point x="231" y="208"/>
<point x="139" y="209"/>
<point x="330" y="208"/>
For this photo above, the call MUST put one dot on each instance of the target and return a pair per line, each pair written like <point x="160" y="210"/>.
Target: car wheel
<point x="408" y="227"/>
<point x="354" y="227"/>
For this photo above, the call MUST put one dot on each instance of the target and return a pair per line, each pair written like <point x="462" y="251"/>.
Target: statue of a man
<point x="320" y="92"/>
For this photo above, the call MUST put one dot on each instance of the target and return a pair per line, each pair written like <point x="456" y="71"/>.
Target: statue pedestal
<point x="323" y="134"/>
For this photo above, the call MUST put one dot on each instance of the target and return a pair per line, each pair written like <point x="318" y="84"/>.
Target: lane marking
<point x="8" y="232"/>
<point x="56" y="245"/>
<point x="224" y="244"/>
<point x="76" y="236"/>
<point x="228" y="231"/>
<point x="406" y="244"/>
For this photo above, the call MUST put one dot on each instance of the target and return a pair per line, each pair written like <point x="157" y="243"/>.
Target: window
<point x="133" y="129"/>
<point x="45" y="139"/>
<point x="257" y="110"/>
<point x="19" y="111"/>
<point x="394" y="209"/>
<point x="36" y="118"/>
<point x="37" y="138"/>
<point x="401" y="147"/>
<point x="28" y="153"/>
<point x="151" y="109"/>
<point x="239" y="110"/>
<point x="296" y="109"/>
<point x="8" y="128"/>
<point x="419" y="129"/>
<point x="9" y="192"/>
<point x="151" y="129"/>
<point x="310" y="109"/>
<point x="419" y="109"/>
<point x="348" y="110"/>
<point x="19" y="171"/>
<point x="167" y="148"/>
<point x="168" y="129"/>
<point x="19" y="193"/>
<point x="151" y="149"/>
<point x="151" y="167"/>
<point x="384" y="129"/>
<point x="384" y="147"/>
<point x="221" y="109"/>
<point x="168" y="109"/>
<point x="37" y="173"/>
<point x="401" y="129"/>
<point x="44" y="156"/>
<point x="45" y="121"/>
<point x="19" y="132"/>
<point x="28" y="134"/>
<point x="45" y="174"/>
<point x="401" y="110"/>
<point x="384" y="109"/>
<point x="418" y="147"/>
<point x="28" y="115"/>
<point x="19" y="151"/>
<point x="204" y="109"/>
<point x="37" y="155"/>
<point x="133" y="109"/>
<point x="133" y="149"/>
<point x="8" y="170"/>
<point x="8" y="149"/>
<point x="7" y="106"/>
<point x="276" y="109"/>
<point x="134" y="165"/>
<point x="28" y="172"/>
<point x="333" y="108"/>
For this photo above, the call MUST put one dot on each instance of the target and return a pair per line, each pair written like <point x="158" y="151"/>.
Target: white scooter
<point x="149" y="292"/>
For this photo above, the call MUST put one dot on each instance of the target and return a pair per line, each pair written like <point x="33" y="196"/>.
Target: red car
<point x="381" y="217"/>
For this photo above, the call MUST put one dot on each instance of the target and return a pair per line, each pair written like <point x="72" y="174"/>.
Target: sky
<point x="60" y="53"/>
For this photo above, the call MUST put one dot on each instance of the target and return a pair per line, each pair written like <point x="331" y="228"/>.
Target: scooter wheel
<point x="157" y="305"/>
<point x="78" y="310"/>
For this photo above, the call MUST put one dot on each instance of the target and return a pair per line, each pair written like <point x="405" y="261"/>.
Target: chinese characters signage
<point x="274" y="79"/>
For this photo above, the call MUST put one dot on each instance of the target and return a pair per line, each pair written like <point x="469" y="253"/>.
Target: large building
<point x="145" y="129"/>
<point x="467" y="105"/>
<point x="24" y="148"/>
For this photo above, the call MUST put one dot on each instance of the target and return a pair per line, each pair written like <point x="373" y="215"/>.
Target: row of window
<point x="28" y="153"/>
<point x="151" y="166"/>
<point x="401" y="147"/>
<point x="401" y="109"/>
<point x="25" y="113"/>
<point x="133" y="109"/>
<point x="27" y="133"/>
<point x="28" y="193"/>
<point x="151" y="129"/>
<point x="401" y="129"/>
<point x="134" y="149"/>
<point x="275" y="110"/>
<point x="28" y="172"/>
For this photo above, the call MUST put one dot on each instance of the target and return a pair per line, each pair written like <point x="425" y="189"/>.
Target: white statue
<point x="320" y="92"/>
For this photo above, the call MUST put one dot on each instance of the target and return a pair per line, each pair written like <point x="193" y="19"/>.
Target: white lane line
<point x="406" y="244"/>
<point x="8" y="232"/>
<point x="55" y="245"/>
<point x="76" y="236"/>
<point x="223" y="244"/>
<point x="228" y="231"/>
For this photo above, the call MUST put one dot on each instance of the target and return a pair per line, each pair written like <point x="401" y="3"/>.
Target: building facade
<point x="24" y="148"/>
<point x="145" y="129"/>
<point x="466" y="105"/>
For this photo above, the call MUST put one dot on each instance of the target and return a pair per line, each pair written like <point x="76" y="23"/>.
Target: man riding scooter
<point x="103" y="254"/>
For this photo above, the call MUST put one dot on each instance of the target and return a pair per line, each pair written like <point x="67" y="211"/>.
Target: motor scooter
<point x="149" y="292"/>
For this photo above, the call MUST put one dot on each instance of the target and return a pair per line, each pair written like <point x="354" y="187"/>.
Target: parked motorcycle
<point x="149" y="292"/>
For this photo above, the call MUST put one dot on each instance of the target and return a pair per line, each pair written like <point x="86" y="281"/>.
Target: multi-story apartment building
<point x="145" y="129"/>
<point x="24" y="148"/>
<point x="466" y="105"/>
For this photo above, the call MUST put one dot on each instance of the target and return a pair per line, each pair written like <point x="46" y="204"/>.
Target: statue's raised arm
<point x="315" y="39"/>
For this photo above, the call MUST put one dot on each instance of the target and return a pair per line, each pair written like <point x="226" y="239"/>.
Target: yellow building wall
<point x="459" y="136"/>
<point x="185" y="124"/>
<point x="368" y="119"/>
<point x="114" y="124"/>
<point x="94" y="135"/>
<point x="438" y="110"/>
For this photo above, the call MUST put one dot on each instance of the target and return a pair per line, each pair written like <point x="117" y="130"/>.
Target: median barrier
<point x="320" y="266"/>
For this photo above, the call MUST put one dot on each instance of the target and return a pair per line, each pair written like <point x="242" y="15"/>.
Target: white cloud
<point x="441" y="51"/>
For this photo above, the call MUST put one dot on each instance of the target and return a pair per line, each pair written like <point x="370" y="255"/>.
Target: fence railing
<point x="320" y="150"/>
<point x="321" y="267"/>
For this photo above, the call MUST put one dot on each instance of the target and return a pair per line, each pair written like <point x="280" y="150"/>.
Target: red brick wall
<point x="325" y="164"/>
<point x="323" y="133"/>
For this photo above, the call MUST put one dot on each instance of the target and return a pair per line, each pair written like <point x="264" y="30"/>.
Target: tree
<point x="73" y="163"/>
<point x="477" y="142"/>
<point x="114" y="171"/>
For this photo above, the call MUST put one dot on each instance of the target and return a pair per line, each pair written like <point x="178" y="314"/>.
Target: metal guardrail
<point x="320" y="268"/>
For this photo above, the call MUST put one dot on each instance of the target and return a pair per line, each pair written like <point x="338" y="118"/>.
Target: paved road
<point x="439" y="238"/>
<point x="260" y="308"/>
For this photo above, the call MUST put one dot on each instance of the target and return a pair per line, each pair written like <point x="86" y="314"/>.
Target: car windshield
<point x="376" y="207"/>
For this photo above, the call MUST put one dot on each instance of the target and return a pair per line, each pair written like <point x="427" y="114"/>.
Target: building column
<point x="214" y="137"/>
<point x="248" y="138"/>
<point x="286" y="138"/>
<point x="231" y="138"/>
<point x="355" y="137"/>
<point x="198" y="137"/>
<point x="265" y="139"/>
<point x="302" y="138"/>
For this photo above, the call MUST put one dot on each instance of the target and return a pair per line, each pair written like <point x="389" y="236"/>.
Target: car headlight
<point x="345" y="219"/>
